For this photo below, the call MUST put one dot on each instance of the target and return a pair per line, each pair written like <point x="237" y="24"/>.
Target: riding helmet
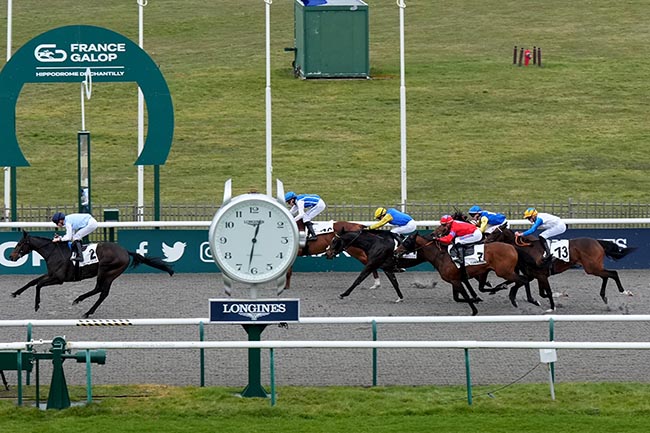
<point x="446" y="219"/>
<point x="380" y="212"/>
<point x="57" y="217"/>
<point x="530" y="212"/>
<point x="289" y="196"/>
<point x="475" y="209"/>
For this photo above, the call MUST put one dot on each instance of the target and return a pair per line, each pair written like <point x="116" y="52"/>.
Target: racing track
<point x="186" y="295"/>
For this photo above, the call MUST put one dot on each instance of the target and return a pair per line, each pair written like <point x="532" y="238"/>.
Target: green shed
<point x="331" y="39"/>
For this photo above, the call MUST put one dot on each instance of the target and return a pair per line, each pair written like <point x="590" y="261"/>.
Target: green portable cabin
<point x="331" y="39"/>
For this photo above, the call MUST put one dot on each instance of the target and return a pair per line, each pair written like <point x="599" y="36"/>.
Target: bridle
<point x="347" y="245"/>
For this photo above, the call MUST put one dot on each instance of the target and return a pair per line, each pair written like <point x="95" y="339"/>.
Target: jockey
<point x="402" y="223"/>
<point x="460" y="233"/>
<point x="305" y="207"/>
<point x="486" y="221"/>
<point x="77" y="226"/>
<point x="550" y="224"/>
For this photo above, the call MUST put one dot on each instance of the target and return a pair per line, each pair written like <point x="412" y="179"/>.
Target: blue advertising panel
<point x="258" y="311"/>
<point x="189" y="251"/>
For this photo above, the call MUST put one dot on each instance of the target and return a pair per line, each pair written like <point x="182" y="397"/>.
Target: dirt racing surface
<point x="137" y="296"/>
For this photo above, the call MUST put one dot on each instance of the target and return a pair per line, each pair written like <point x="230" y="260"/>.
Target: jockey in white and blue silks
<point x="486" y="221"/>
<point x="77" y="226"/>
<point x="305" y="207"/>
<point x="550" y="224"/>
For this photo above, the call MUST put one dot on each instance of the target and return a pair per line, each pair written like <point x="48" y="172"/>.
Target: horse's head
<point x="335" y="246"/>
<point x="441" y="231"/>
<point x="408" y="245"/>
<point x="458" y="215"/>
<point x="23" y="247"/>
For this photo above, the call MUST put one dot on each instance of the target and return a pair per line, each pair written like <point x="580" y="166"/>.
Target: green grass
<point x="596" y="408"/>
<point x="478" y="128"/>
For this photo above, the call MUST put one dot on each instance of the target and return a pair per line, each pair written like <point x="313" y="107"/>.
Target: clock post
<point x="254" y="241"/>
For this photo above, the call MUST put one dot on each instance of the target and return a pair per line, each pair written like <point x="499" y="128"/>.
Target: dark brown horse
<point x="112" y="261"/>
<point x="499" y="257"/>
<point x="323" y="240"/>
<point x="379" y="246"/>
<point x="590" y="254"/>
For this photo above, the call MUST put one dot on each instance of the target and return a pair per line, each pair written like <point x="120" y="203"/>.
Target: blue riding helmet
<point x="475" y="209"/>
<point x="57" y="217"/>
<point x="289" y="196"/>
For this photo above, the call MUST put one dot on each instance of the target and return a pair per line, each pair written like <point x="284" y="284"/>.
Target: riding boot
<point x="76" y="248"/>
<point x="311" y="236"/>
<point x="548" y="256"/>
<point x="460" y="249"/>
<point x="398" y="237"/>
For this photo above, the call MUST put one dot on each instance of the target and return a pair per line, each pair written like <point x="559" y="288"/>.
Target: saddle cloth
<point x="90" y="255"/>
<point x="322" y="227"/>
<point x="474" y="255"/>
<point x="560" y="249"/>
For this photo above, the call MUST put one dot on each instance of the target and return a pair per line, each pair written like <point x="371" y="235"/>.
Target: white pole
<point x="8" y="169"/>
<point x="140" y="212"/>
<point x="402" y="103"/>
<point x="269" y="147"/>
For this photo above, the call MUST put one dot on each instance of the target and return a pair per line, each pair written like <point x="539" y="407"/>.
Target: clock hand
<point x="250" y="258"/>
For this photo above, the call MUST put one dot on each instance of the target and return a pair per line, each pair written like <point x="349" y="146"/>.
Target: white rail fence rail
<point x="466" y="345"/>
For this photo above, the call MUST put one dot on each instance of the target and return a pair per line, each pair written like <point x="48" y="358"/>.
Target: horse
<point x="323" y="240"/>
<point x="379" y="247"/>
<point x="499" y="257"/>
<point x="588" y="253"/>
<point x="112" y="261"/>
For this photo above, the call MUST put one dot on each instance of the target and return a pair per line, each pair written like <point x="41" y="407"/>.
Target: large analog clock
<point x="254" y="239"/>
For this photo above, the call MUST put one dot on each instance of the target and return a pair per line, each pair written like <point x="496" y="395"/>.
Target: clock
<point x="254" y="240"/>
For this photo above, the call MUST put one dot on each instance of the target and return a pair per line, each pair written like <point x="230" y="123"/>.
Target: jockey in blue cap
<point x="485" y="220"/>
<point x="305" y="207"/>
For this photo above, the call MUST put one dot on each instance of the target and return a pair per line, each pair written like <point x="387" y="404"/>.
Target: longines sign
<point x="257" y="311"/>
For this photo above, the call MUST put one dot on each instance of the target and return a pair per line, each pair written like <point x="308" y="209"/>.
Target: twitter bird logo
<point x="174" y="253"/>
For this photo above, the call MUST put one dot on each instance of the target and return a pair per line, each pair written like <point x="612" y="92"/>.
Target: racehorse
<point x="588" y="253"/>
<point x="323" y="241"/>
<point x="379" y="247"/>
<point x="499" y="257"/>
<point x="112" y="261"/>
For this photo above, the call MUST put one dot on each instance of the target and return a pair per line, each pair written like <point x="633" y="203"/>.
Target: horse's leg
<point x="470" y="289"/>
<point x="393" y="280"/>
<point x="49" y="281"/>
<point x="459" y="291"/>
<point x="287" y="283"/>
<point x="377" y="282"/>
<point x="546" y="292"/>
<point x="362" y="276"/>
<point x="103" y="294"/>
<point x="28" y="285"/>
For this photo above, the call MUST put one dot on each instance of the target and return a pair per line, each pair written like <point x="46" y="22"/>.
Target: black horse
<point x="112" y="261"/>
<point x="379" y="246"/>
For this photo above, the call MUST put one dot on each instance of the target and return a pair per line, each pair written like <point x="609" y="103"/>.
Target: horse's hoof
<point x="13" y="295"/>
<point x="75" y="302"/>
<point x="477" y="299"/>
<point x="342" y="296"/>
<point x="535" y="302"/>
<point x="374" y="286"/>
<point x="628" y="293"/>
<point x="514" y="303"/>
<point x="398" y="300"/>
<point x="605" y="299"/>
<point x="550" y="310"/>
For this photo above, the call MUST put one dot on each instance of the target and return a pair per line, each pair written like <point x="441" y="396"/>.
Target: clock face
<point x="253" y="239"/>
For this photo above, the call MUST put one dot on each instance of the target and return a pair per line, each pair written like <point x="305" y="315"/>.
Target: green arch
<point x="63" y="55"/>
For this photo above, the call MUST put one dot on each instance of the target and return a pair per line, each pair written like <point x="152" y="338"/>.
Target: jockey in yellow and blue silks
<point x="402" y="223"/>
<point x="486" y="221"/>
<point x="550" y="224"/>
<point x="305" y="207"/>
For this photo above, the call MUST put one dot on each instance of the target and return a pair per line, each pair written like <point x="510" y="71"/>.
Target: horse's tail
<point x="613" y="251"/>
<point x="154" y="262"/>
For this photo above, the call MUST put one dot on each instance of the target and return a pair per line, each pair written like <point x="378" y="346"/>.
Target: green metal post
<point x="202" y="354"/>
<point x="59" y="397"/>
<point x="89" y="385"/>
<point x="551" y="333"/>
<point x="468" y="376"/>
<point x="272" y="367"/>
<point x="19" y="365"/>
<point x="374" y="354"/>
<point x="38" y="382"/>
<point x="254" y="387"/>
<point x="29" y="338"/>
